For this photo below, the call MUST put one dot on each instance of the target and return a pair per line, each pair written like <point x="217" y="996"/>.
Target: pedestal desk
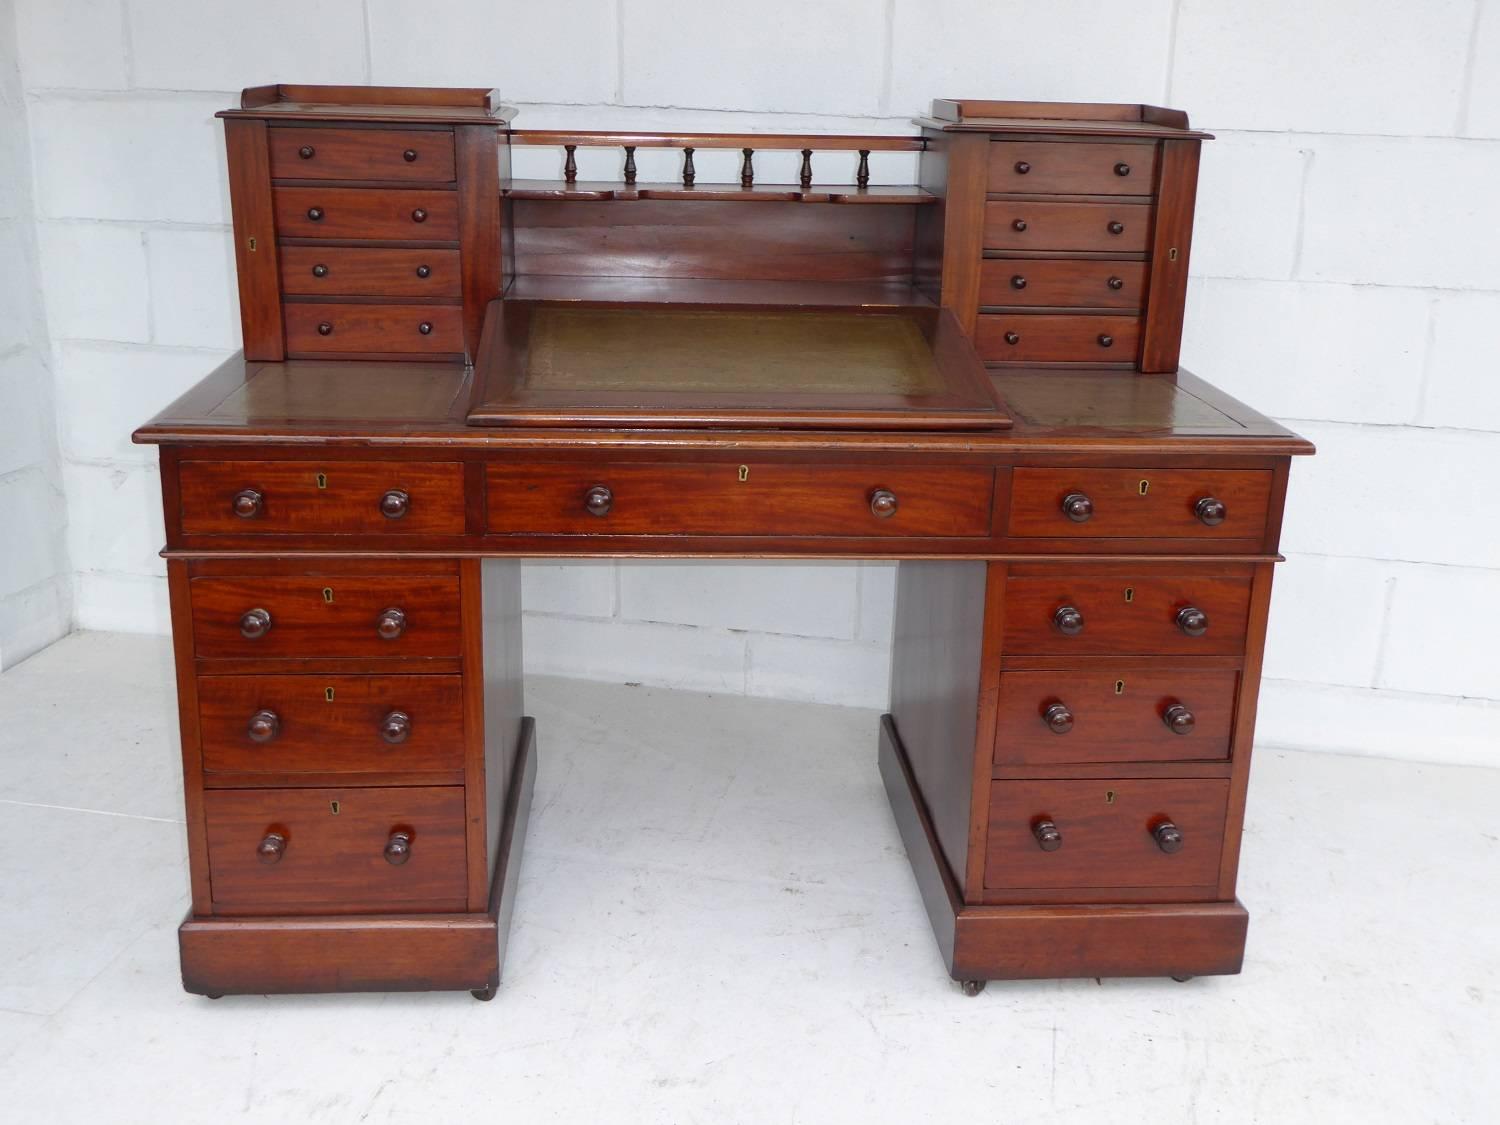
<point x="447" y="369"/>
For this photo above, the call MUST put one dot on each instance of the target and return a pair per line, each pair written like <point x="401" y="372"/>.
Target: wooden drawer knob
<point x="1168" y="837"/>
<point x="410" y="156"/>
<point x="255" y="623"/>
<point x="1077" y="507"/>
<point x="398" y="848"/>
<point x="1192" y="621"/>
<point x="1210" y="511"/>
<point x="263" y="726"/>
<point x="425" y="328"/>
<point x="1059" y="719"/>
<point x="272" y="845"/>
<point x="419" y="215"/>
<point x="248" y="503"/>
<point x="1116" y="283"/>
<point x="1022" y="167"/>
<point x="390" y="624"/>
<point x="1068" y="620"/>
<point x="1018" y="225"/>
<point x="598" y="500"/>
<point x="320" y="270"/>
<point x="1018" y="282"/>
<point x="1179" y="719"/>
<point x="325" y="328"/>
<point x="424" y="272"/>
<point x="307" y="152"/>
<point x="1116" y="227"/>
<point x="883" y="503"/>
<point x="1122" y="169"/>
<point x="395" y="504"/>
<point x="1012" y="338"/>
<point x="1048" y="836"/>
<point x="1106" y="340"/>
<point x="395" y="728"/>
<point x="315" y="214"/>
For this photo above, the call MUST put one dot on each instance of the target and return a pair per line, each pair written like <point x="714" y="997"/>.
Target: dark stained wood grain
<point x="362" y="154"/>
<point x="370" y="271"/>
<point x="353" y="212"/>
<point x="1072" y="167"/>
<point x="1014" y="337"/>
<point x="1048" y="225"/>
<point x="1083" y="284"/>
<point x="1128" y="501"/>
<point x="255" y="248"/>
<point x="367" y="328"/>
<point x="1170" y="247"/>
<point x="479" y="229"/>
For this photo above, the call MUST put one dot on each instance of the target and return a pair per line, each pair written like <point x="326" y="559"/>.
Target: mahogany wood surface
<point x="370" y="271"/>
<point x="356" y="154"/>
<point x="1071" y="167"/>
<point x="1114" y="285"/>
<point x="255" y="247"/>
<point x="1027" y="337"/>
<point x="1170" y="247"/>
<point x="400" y="214"/>
<point x="1041" y="224"/>
<point x="1129" y="501"/>
<point x="314" y="328"/>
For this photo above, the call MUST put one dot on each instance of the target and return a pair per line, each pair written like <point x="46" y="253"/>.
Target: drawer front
<point x="425" y="214"/>
<point x="1125" y="715"/>
<point x="711" y="499"/>
<point x="332" y="855"/>
<point x="386" y="725"/>
<point x="1034" y="338"/>
<point x="1123" y="615"/>
<point x="322" y="497"/>
<point x="369" y="271"/>
<point x="1081" y="284"/>
<point x="360" y="154"/>
<point x="1072" y="168"/>
<point x="1126" y="502"/>
<point x="1106" y="830"/>
<point x="326" y="617"/>
<point x="319" y="327"/>
<point x="1018" y="224"/>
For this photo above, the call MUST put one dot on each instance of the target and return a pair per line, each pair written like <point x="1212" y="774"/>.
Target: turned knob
<point x="1192" y="621"/>
<point x="1106" y="340"/>
<point x="1122" y="169"/>
<point x="1059" y="719"/>
<point x="1068" y="620"/>
<point x="1116" y="227"/>
<point x="1022" y="167"/>
<point x="1210" y="511"/>
<point x="320" y="270"/>
<point x="271" y="847"/>
<point x="419" y="215"/>
<point x="325" y="328"/>
<point x="1179" y="719"/>
<point x="248" y="503"/>
<point x="306" y="152"/>
<point x="882" y="503"/>
<point x="410" y="155"/>
<point x="395" y="728"/>
<point x="1018" y="282"/>
<point x="255" y="623"/>
<point x="1019" y="224"/>
<point x="395" y="504"/>
<point x="424" y="272"/>
<point x="1077" y="507"/>
<point x="1048" y="836"/>
<point x="425" y="328"/>
<point x="1012" y="337"/>
<point x="1168" y="837"/>
<point x="264" y="726"/>
<point x="598" y="500"/>
<point x="391" y="623"/>
<point x="315" y="214"/>
<point x="1116" y="283"/>
<point x="398" y="848"/>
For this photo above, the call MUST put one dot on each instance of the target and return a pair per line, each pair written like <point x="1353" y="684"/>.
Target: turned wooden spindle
<point x="630" y="164"/>
<point x="747" y="172"/>
<point x="570" y="165"/>
<point x="689" y="173"/>
<point x="862" y="177"/>
<point x="806" y="168"/>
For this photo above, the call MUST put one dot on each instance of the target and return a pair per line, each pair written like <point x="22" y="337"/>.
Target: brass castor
<point x="1182" y="980"/>
<point x="485" y="993"/>
<point x="972" y="987"/>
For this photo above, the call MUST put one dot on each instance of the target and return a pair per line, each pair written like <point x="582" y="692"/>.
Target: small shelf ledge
<point x="693" y="291"/>
<point x="619" y="190"/>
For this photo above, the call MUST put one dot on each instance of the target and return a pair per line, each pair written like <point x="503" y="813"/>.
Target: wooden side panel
<point x="255" y="239"/>
<point x="963" y="226"/>
<point x="478" y="225"/>
<point x="1244" y="727"/>
<point x="187" y="721"/>
<point x="502" y="687"/>
<point x="1177" y="191"/>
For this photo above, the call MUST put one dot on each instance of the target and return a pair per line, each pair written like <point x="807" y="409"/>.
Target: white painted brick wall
<point x="1346" y="279"/>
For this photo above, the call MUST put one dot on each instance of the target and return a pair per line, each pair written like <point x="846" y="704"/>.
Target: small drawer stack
<point x="1069" y="229"/>
<point x="364" y="230"/>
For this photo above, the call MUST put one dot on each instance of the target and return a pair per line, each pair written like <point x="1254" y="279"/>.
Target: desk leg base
<point x="982" y="943"/>
<point x="369" y="952"/>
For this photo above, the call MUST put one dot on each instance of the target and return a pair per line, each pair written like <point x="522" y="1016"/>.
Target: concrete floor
<point x="717" y="923"/>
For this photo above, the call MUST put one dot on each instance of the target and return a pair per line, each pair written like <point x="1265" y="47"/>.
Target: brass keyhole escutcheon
<point x="1109" y="796"/>
<point x="328" y="594"/>
<point x="744" y="473"/>
<point x="1145" y="486"/>
<point x="328" y="695"/>
<point x="1119" y="687"/>
<point x="1130" y="593"/>
<point x="1172" y="254"/>
<point x="252" y="245"/>
<point x="322" y="480"/>
<point x="333" y="807"/>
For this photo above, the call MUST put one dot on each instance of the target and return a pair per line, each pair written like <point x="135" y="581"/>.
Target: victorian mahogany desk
<point x="447" y="369"/>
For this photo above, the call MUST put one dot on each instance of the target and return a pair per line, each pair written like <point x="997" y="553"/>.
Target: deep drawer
<point x="369" y="271"/>
<point x="1094" y="614"/>
<point x="278" y="725"/>
<point x="395" y="213"/>
<point x="1079" y="284"/>
<point x="728" y="499"/>
<point x="326" y="617"/>
<point x="324" y="851"/>
<point x="1073" y="167"/>
<point x="1107" y="834"/>
<point x="1136" y="502"/>
<point x="1125" y="715"/>
<point x="319" y="327"/>
<point x="322" y="497"/>
<point x="360" y="154"/>
<point x="1037" y="338"/>
<point x="1016" y="224"/>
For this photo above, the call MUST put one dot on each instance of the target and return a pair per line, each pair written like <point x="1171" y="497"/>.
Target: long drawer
<point x="384" y="617"/>
<point x="407" y="214"/>
<point x="326" y="851"/>
<point x="728" y="499"/>
<point x="322" y="497"/>
<point x="1048" y="835"/>
<point x="1024" y="224"/>
<point x="1114" y="715"/>
<point x="1064" y="338"/>
<point x="1073" y="167"/>
<point x="324" y="327"/>
<point x="370" y="271"/>
<point x="280" y="725"/>
<point x="1140" y="502"/>
<point x="1073" y="283"/>
<point x="360" y="154"/>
